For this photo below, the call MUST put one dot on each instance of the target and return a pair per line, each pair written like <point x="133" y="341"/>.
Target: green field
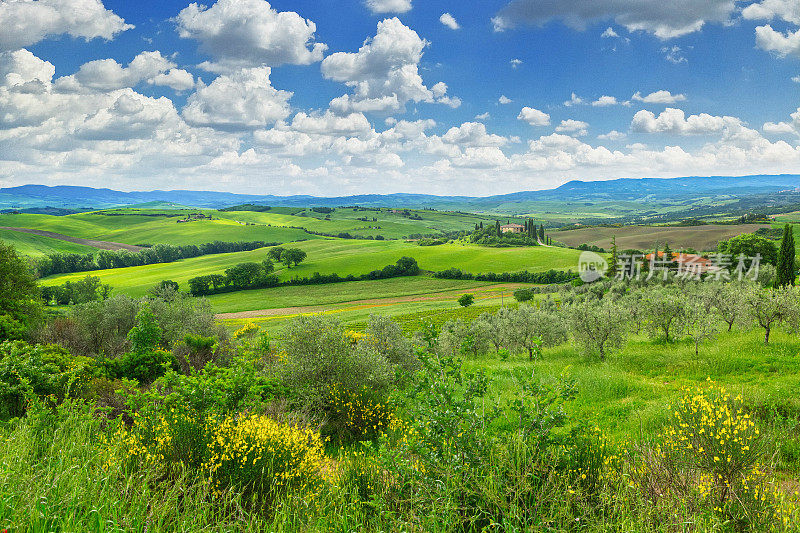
<point x="397" y="299"/>
<point x="343" y="257"/>
<point x="141" y="229"/>
<point x="153" y="226"/>
<point x="335" y="293"/>
<point x="37" y="245"/>
<point x="389" y="224"/>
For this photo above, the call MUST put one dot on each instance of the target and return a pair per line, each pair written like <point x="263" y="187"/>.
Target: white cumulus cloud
<point x="674" y="121"/>
<point x="241" y="100"/>
<point x="384" y="73"/>
<point x="783" y="44"/>
<point x="249" y="33"/>
<point x="659" y="97"/>
<point x="534" y="117"/>
<point x="108" y="75"/>
<point x="176" y="78"/>
<point x="449" y="20"/>
<point x="389" y="6"/>
<point x="665" y="20"/>
<point x="572" y="126"/>
<point x="788" y="10"/>
<point x="605" y="101"/>
<point x="26" y="22"/>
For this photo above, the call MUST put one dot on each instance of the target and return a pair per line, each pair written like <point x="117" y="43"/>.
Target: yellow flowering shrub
<point x="713" y="456"/>
<point x="353" y="337"/>
<point x="248" y="330"/>
<point x="590" y="461"/>
<point x="357" y="415"/>
<point x="168" y="439"/>
<point x="261" y="456"/>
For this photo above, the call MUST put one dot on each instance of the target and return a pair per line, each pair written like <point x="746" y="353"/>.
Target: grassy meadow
<point x="342" y="256"/>
<point x="142" y="229"/>
<point x="38" y="245"/>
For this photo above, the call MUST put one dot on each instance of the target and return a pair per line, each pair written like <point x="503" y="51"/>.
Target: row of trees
<point x="243" y="276"/>
<point x="259" y="276"/>
<point x="601" y="321"/>
<point x="88" y="289"/>
<point x="65" y="263"/>
<point x="550" y="276"/>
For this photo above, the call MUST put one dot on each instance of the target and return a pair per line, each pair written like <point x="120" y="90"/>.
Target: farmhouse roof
<point x="683" y="258"/>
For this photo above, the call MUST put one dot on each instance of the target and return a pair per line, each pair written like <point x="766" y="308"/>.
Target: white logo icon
<point x="591" y="266"/>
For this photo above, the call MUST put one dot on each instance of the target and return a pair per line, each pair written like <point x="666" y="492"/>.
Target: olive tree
<point x="386" y="337"/>
<point x="663" y="309"/>
<point x="491" y="328"/>
<point x="769" y="307"/>
<point x="698" y="321"/>
<point x="727" y="301"/>
<point x="529" y="328"/>
<point x="632" y="302"/>
<point x="597" y="325"/>
<point x="452" y="337"/>
<point x="318" y="355"/>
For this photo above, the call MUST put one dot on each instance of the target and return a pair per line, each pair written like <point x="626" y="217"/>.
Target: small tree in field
<point x="466" y="300"/>
<point x="531" y="329"/>
<point x="598" y="326"/>
<point x="727" y="301"/>
<point x="700" y="324"/>
<point x="663" y="311"/>
<point x="769" y="307"/>
<point x="275" y="253"/>
<point x="292" y="256"/>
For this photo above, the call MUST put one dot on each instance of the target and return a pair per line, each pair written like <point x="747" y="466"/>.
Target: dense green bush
<point x="40" y="370"/>
<point x="20" y="306"/>
<point x="85" y="290"/>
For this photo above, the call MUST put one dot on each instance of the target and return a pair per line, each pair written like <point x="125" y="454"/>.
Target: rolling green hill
<point x="343" y="257"/>
<point x="37" y="245"/>
<point x="144" y="227"/>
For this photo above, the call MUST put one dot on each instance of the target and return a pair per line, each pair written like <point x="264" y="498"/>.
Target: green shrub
<point x="40" y="370"/>
<point x="143" y="366"/>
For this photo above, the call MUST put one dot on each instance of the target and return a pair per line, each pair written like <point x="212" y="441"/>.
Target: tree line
<point x="259" y="275"/>
<point x="67" y="263"/>
<point x="550" y="276"/>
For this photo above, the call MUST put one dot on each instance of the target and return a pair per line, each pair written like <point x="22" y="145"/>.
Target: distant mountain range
<point x="38" y="197"/>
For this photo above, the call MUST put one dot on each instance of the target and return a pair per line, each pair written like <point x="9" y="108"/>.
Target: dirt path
<point x="103" y="245"/>
<point x="494" y="291"/>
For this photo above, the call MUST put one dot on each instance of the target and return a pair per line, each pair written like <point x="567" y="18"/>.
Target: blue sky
<point x="328" y="97"/>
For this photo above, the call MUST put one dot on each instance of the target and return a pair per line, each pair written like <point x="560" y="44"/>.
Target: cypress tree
<point x="786" y="266"/>
<point x="668" y="262"/>
<point x="612" y="267"/>
<point x="497" y="227"/>
<point x="541" y="232"/>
